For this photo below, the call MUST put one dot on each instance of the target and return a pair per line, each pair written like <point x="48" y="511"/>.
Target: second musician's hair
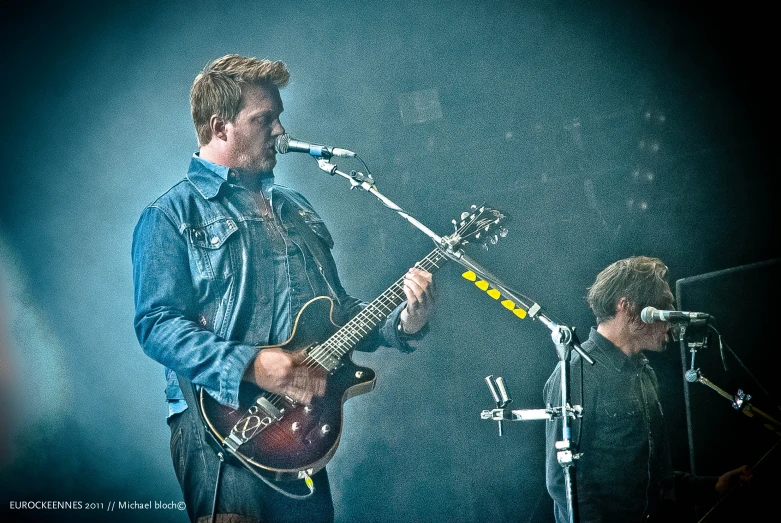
<point x="640" y="279"/>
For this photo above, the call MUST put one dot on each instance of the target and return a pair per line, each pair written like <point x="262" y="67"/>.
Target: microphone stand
<point x="359" y="180"/>
<point x="740" y="401"/>
<point x="564" y="338"/>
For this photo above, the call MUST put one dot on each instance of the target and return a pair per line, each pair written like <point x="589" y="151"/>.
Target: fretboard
<point x="347" y="337"/>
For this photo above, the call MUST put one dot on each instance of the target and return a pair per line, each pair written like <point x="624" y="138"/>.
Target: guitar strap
<point x="190" y="394"/>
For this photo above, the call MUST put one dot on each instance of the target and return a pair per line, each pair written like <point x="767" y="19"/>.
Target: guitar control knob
<point x="359" y="374"/>
<point x="325" y="429"/>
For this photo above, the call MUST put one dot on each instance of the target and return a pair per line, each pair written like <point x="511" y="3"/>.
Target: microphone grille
<point x="647" y="315"/>
<point x="282" y="143"/>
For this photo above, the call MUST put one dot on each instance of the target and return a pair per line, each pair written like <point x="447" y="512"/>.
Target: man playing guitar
<point x="222" y="264"/>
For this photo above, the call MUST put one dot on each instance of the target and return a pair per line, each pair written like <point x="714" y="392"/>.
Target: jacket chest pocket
<point x="214" y="249"/>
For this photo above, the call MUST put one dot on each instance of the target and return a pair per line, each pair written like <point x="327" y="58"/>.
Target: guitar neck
<point x="346" y="338"/>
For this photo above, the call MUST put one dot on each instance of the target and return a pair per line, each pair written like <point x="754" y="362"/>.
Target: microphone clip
<point x="693" y="374"/>
<point x="359" y="178"/>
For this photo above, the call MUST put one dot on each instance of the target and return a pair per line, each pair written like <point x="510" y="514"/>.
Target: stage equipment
<point x="741" y="304"/>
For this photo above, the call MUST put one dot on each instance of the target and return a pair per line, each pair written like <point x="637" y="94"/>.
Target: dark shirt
<point x="625" y="472"/>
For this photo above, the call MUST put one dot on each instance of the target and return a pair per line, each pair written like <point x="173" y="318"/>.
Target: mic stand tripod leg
<point x="565" y="459"/>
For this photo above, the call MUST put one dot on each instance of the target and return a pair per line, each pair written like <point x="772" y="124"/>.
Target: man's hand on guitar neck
<point x="285" y="373"/>
<point x="419" y="289"/>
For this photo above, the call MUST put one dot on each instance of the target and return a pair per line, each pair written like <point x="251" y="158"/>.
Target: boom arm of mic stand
<point x="365" y="182"/>
<point x="740" y="402"/>
<point x="534" y="311"/>
<point x="561" y="334"/>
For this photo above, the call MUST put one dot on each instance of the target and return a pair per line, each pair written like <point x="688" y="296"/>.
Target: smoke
<point x="535" y="108"/>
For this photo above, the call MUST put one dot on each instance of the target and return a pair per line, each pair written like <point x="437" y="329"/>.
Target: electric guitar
<point x="285" y="440"/>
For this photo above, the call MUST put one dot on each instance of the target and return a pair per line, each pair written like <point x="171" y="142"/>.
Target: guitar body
<point x="303" y="438"/>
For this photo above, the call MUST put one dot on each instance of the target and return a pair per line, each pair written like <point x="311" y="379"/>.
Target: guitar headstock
<point x="482" y="225"/>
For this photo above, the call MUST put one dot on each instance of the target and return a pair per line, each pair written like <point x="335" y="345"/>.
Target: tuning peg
<point x="464" y="215"/>
<point x="503" y="232"/>
<point x="473" y="207"/>
<point x="494" y="239"/>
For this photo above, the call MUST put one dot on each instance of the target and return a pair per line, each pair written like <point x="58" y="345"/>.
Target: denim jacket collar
<point x="207" y="177"/>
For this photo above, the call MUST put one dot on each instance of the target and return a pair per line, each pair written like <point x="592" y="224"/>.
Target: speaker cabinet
<point x="721" y="436"/>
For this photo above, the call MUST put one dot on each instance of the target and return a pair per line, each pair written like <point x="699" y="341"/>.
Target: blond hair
<point x="217" y="90"/>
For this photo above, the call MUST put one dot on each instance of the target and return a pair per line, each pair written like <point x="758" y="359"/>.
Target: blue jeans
<point x="242" y="496"/>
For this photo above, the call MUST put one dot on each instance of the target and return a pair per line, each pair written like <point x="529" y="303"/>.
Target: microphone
<point x="651" y="315"/>
<point x="286" y="144"/>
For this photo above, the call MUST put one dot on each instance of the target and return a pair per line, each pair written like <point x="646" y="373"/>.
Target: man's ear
<point x="218" y="126"/>
<point x="622" y="305"/>
<point x="624" y="310"/>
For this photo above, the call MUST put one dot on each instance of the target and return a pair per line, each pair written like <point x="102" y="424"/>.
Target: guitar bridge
<point x="259" y="416"/>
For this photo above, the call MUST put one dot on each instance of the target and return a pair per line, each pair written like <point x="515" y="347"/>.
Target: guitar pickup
<point x="268" y="408"/>
<point x="325" y="360"/>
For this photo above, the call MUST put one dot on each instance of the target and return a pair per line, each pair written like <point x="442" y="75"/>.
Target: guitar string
<point x="384" y="304"/>
<point x="344" y="336"/>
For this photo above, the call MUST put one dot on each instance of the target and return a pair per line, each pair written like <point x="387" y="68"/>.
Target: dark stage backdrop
<point x="604" y="129"/>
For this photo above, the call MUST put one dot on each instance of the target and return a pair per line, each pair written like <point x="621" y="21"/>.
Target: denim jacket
<point x="202" y="271"/>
